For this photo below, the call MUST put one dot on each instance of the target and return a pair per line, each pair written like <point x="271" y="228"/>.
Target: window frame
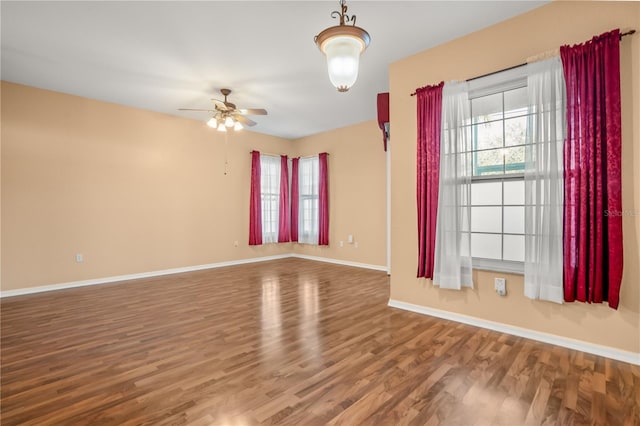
<point x="500" y="82"/>
<point x="499" y="265"/>
<point x="268" y="236"/>
<point x="305" y="234"/>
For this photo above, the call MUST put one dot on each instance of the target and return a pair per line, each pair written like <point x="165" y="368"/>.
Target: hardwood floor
<point x="284" y="342"/>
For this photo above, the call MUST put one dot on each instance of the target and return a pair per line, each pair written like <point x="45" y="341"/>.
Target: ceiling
<point x="161" y="56"/>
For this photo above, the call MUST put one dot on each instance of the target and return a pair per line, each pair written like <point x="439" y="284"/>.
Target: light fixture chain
<point x="343" y="14"/>
<point x="226" y="153"/>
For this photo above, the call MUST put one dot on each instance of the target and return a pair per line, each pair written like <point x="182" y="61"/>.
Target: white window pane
<point x="514" y="247"/>
<point x="308" y="176"/>
<point x="515" y="102"/>
<point x="514" y="131"/>
<point x="270" y="188"/>
<point x="487" y="135"/>
<point x="270" y="206"/>
<point x="308" y="173"/>
<point x="514" y="192"/>
<point x="486" y="193"/>
<point x="488" y="162"/>
<point x="514" y="220"/>
<point x="514" y="159"/>
<point x="270" y="173"/>
<point x="487" y="246"/>
<point x="486" y="219"/>
<point x="487" y="108"/>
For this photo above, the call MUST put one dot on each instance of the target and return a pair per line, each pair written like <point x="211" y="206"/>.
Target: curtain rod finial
<point x="630" y="32"/>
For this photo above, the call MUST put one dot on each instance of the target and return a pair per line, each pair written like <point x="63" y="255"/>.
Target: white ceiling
<point x="161" y="56"/>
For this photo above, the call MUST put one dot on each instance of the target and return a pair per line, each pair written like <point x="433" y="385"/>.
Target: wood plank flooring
<point x="290" y="342"/>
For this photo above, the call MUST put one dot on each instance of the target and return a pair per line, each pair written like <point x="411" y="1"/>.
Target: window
<point x="271" y="206"/>
<point x="270" y="197"/>
<point x="499" y="114"/>
<point x="308" y="200"/>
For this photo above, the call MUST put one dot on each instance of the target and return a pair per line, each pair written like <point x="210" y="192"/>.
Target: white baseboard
<point x="605" y="351"/>
<point x="61" y="286"/>
<point x="340" y="262"/>
<point x="95" y="281"/>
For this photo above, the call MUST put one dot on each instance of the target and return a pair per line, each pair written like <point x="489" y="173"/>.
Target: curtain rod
<point x="311" y="156"/>
<point x="630" y="32"/>
<point x="266" y="153"/>
<point x="280" y="155"/>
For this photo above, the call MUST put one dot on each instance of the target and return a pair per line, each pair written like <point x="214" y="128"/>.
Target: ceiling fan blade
<point x="244" y="120"/>
<point x="193" y="109"/>
<point x="253" y="111"/>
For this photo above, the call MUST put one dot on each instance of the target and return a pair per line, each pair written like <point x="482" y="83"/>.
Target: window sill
<point x="503" y="266"/>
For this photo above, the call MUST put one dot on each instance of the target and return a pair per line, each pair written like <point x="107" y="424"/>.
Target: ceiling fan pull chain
<point x="226" y="152"/>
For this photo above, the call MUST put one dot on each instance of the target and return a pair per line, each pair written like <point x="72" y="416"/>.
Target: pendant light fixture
<point x="343" y="44"/>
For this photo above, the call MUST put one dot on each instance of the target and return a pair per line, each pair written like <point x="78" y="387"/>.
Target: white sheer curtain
<point x="544" y="185"/>
<point x="308" y="188"/>
<point x="270" y="189"/>
<point x="452" y="263"/>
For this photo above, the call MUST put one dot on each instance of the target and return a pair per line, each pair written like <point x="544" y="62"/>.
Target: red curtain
<point x="284" y="227"/>
<point x="428" y="173"/>
<point x="255" y="202"/>
<point x="593" y="204"/>
<point x="323" y="202"/>
<point x="294" y="199"/>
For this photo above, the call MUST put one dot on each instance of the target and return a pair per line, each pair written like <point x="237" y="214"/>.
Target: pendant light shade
<point x="343" y="45"/>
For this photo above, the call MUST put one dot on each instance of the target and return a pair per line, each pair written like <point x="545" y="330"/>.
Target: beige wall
<point x="133" y="191"/>
<point x="137" y="191"/>
<point x="500" y="46"/>
<point x="357" y="193"/>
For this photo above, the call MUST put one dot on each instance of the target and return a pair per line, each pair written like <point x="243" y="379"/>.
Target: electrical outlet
<point x="341" y="243"/>
<point x="501" y="286"/>
<point x="79" y="258"/>
<point x="355" y="244"/>
<point x="350" y="239"/>
<point x="235" y="243"/>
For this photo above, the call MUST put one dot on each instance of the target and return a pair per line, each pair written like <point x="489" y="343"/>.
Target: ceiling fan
<point x="226" y="114"/>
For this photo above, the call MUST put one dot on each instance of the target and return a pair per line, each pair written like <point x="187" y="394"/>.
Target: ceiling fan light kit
<point x="343" y="44"/>
<point x="226" y="115"/>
